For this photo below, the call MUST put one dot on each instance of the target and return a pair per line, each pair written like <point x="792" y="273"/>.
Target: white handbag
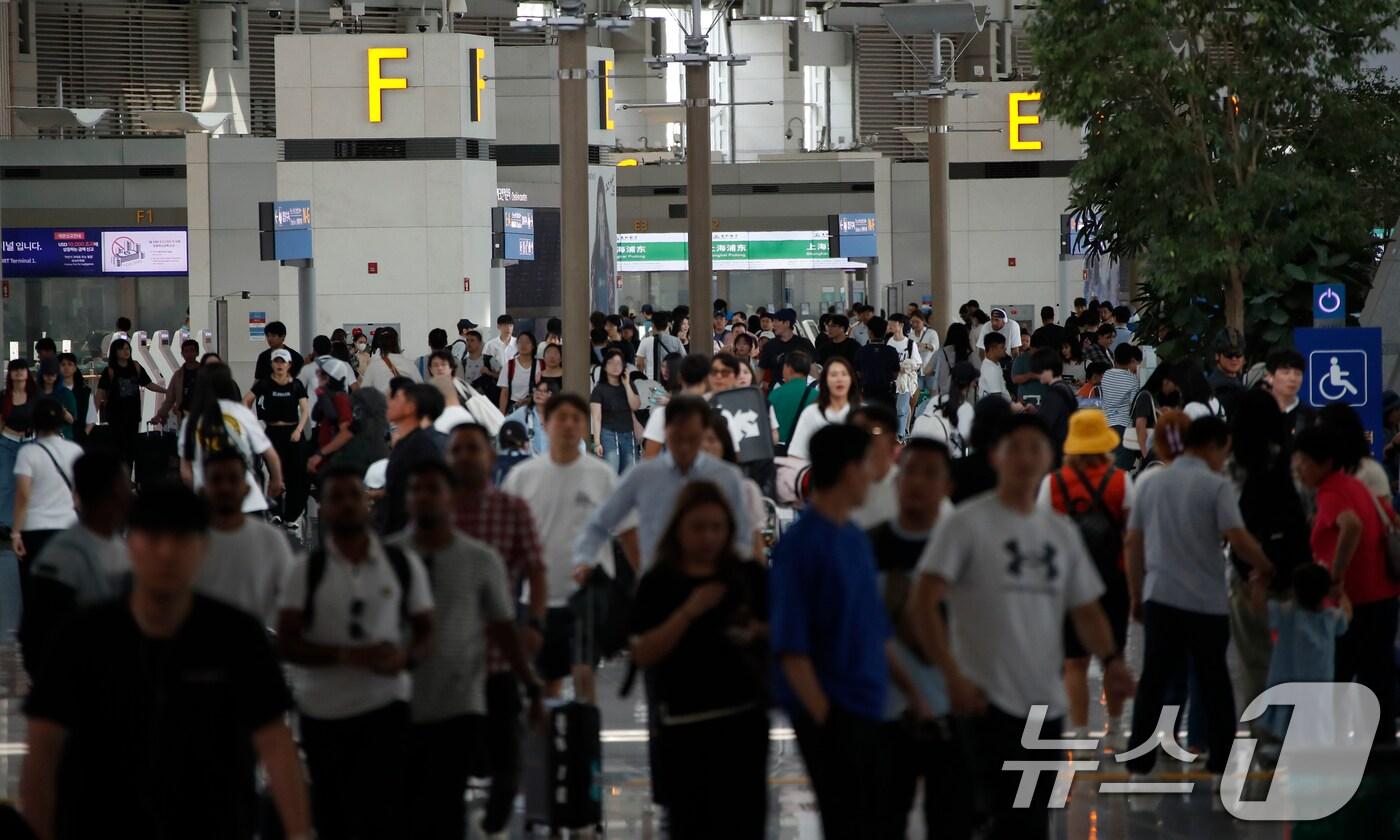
<point x="483" y="411"/>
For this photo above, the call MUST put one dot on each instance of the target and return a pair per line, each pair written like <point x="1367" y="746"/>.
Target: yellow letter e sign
<point x="1015" y="119"/>
<point x="378" y="84"/>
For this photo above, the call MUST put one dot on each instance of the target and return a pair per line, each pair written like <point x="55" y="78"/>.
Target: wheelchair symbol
<point x="1340" y="376"/>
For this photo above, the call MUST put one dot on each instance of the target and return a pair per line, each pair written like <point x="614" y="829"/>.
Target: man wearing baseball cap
<point x="1227" y="379"/>
<point x="1004" y="325"/>
<point x="785" y="341"/>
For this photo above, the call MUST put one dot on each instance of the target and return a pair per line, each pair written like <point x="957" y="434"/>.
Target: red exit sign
<point x="374" y="268"/>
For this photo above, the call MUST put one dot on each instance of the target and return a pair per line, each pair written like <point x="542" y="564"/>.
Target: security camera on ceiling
<point x="457" y="8"/>
<point x="274" y="9"/>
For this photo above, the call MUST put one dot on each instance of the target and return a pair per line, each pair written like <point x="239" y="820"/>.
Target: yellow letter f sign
<point x="378" y="84"/>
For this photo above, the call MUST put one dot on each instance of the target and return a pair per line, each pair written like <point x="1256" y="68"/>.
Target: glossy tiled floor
<point x="1089" y="815"/>
<point x="629" y="813"/>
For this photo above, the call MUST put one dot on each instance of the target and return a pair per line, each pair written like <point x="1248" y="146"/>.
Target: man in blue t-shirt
<point x="832" y="640"/>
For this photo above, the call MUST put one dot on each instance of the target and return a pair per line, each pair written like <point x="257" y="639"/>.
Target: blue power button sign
<point x="1329" y="304"/>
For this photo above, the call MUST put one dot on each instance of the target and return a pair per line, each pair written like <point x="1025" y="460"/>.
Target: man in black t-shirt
<point x="770" y="362"/>
<point x="838" y="343"/>
<point x="151" y="711"/>
<point x="877" y="365"/>
<point x="276" y="334"/>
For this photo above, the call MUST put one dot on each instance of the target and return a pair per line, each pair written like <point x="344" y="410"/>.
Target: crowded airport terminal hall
<point x="699" y="419"/>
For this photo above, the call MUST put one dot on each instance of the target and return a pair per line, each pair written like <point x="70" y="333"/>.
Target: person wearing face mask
<point x="51" y="386"/>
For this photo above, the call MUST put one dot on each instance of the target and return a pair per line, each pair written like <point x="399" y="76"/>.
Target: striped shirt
<point x="1118" y="389"/>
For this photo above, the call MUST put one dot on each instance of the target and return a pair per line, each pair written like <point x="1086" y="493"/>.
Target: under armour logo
<point x="1046" y="559"/>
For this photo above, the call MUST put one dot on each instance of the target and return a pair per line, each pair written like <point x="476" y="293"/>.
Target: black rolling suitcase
<point x="563" y="767"/>
<point x="155" y="457"/>
<point x="564" y="762"/>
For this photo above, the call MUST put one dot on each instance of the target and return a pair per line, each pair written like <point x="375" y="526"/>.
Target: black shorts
<point x="1115" y="605"/>
<point x="567" y="642"/>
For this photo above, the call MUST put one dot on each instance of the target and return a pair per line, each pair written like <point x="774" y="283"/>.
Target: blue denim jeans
<point x="901" y="410"/>
<point x="619" y="449"/>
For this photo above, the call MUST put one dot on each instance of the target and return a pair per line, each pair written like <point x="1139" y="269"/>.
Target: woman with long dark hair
<point x="699" y="626"/>
<point x="837" y="393"/>
<point x="387" y="362"/>
<point x="218" y="420"/>
<point x="611" y="405"/>
<point x="20" y="390"/>
<point x="86" y="415"/>
<point x="119" y="397"/>
<point x="957" y="347"/>
<point x="520" y="374"/>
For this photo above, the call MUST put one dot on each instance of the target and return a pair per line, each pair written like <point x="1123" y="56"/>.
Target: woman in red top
<point x="1097" y="496"/>
<point x="1348" y="537"/>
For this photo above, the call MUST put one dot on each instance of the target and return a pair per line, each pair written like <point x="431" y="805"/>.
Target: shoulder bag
<point x="1391" y="544"/>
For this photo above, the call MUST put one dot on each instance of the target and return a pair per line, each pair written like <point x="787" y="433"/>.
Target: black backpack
<point x="316" y="569"/>
<point x="1102" y="532"/>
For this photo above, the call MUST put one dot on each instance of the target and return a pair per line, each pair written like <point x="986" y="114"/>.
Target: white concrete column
<point x="223" y="64"/>
<point x="19" y="65"/>
<point x="768" y="75"/>
<point x="635" y="82"/>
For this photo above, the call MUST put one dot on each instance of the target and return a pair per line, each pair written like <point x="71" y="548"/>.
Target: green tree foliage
<point x="1238" y="147"/>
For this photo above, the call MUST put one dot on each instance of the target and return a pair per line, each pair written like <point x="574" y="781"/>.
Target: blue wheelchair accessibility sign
<point x="1338" y="376"/>
<point x="1344" y="366"/>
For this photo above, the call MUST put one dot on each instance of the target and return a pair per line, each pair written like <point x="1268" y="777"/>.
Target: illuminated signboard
<point x="852" y="235"/>
<point x="378" y="83"/>
<point x="478" y="81"/>
<point x="1015" y="120"/>
<point x="93" y="252"/>
<point x="730" y="250"/>
<point x="513" y="230"/>
<point x="605" y="95"/>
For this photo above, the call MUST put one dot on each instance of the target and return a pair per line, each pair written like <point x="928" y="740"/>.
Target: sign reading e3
<point x="1015" y="119"/>
<point x="605" y="95"/>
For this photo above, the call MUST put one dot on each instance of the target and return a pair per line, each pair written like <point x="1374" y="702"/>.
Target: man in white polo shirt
<point x="353" y="616"/>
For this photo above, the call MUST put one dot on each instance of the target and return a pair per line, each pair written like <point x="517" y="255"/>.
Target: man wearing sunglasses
<point x="355" y="614"/>
<point x="1227" y="379"/>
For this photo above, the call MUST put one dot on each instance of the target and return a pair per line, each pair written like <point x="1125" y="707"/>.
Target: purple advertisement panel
<point x="93" y="252"/>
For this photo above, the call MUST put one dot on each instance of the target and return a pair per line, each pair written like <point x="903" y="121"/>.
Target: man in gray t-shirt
<point x="448" y="709"/>
<point x="1176" y="578"/>
<point x="83" y="565"/>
